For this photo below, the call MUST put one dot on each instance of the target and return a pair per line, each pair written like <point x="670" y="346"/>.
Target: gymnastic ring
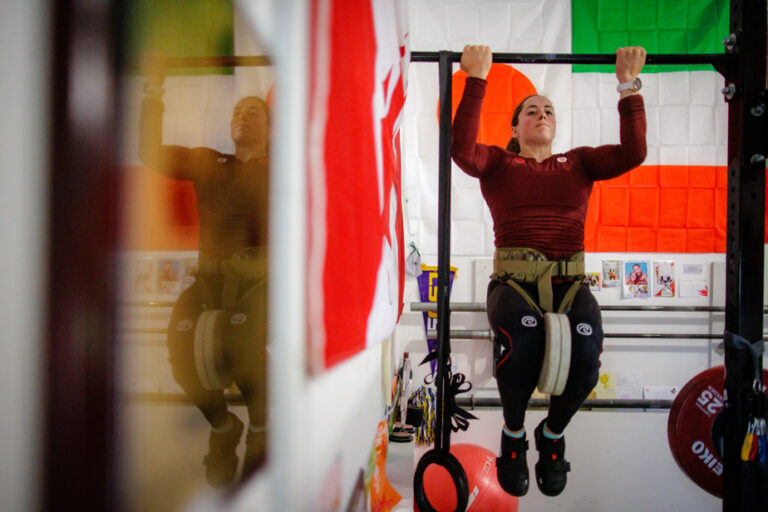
<point x="454" y="468"/>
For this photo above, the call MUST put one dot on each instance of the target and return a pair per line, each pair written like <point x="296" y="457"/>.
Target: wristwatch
<point x="633" y="85"/>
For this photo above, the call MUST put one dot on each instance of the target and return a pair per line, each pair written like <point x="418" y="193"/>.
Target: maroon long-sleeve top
<point x="542" y="205"/>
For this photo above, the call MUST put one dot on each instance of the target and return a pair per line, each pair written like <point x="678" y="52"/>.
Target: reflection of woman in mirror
<point x="231" y="192"/>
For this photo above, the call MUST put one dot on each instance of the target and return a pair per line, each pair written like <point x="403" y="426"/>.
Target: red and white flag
<point x="355" y="263"/>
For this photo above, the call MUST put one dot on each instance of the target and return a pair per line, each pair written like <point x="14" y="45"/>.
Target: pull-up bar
<point x="214" y="61"/>
<point x="715" y="59"/>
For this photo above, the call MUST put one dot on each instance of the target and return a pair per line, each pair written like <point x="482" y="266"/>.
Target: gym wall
<point x="672" y="208"/>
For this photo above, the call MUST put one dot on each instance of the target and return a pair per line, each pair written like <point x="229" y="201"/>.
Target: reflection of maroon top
<point x="231" y="195"/>
<point x="542" y="205"/>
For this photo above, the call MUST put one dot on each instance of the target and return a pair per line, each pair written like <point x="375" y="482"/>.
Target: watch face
<point x="637" y="84"/>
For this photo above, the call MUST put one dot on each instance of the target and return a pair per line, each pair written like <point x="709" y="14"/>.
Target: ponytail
<point x="513" y="146"/>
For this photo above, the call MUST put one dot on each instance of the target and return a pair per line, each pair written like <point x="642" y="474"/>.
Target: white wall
<point x="23" y="207"/>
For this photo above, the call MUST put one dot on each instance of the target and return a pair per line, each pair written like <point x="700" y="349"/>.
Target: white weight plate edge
<point x="564" y="367"/>
<point x="551" y="363"/>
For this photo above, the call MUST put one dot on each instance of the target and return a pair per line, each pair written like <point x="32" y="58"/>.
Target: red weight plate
<point x="691" y="438"/>
<point x="677" y="405"/>
<point x="693" y="430"/>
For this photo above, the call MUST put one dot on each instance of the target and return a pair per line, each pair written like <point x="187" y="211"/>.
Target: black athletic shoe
<point x="552" y="468"/>
<point x="512" y="466"/>
<point x="255" y="452"/>
<point x="221" y="461"/>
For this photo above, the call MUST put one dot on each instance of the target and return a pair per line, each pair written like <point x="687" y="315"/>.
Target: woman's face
<point x="536" y="123"/>
<point x="636" y="268"/>
<point x="250" y="122"/>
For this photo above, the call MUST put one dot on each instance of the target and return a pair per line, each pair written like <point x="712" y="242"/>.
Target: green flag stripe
<point x="660" y="26"/>
<point x="181" y="28"/>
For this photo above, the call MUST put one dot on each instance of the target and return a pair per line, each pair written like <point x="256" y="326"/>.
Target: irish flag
<point x="674" y="202"/>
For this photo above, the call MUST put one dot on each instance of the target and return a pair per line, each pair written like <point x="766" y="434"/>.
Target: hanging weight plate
<point x="564" y="367"/>
<point x="552" y="349"/>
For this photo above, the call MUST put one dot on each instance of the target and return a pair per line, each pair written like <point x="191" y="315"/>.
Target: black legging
<point x="244" y="345"/>
<point x="520" y="330"/>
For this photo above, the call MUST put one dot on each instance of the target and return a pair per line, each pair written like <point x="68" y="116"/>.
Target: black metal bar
<point x="230" y="61"/>
<point x="470" y="402"/>
<point x="146" y="304"/>
<point x="664" y="336"/>
<point x="442" y="434"/>
<point x="486" y="334"/>
<point x="173" y="398"/>
<point x="591" y="403"/>
<point x="747" y="128"/>
<point x="472" y="307"/>
<point x="225" y="61"/>
<point x="583" y="58"/>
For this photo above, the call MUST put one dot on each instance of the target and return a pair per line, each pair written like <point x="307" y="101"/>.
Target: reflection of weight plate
<point x="209" y="350"/>
<point x="690" y="426"/>
<point x="557" y="354"/>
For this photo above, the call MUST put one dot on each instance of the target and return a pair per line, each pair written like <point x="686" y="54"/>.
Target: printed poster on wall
<point x="428" y="293"/>
<point x="694" y="282"/>
<point x="611" y="273"/>
<point x="694" y="288"/>
<point x="636" y="281"/>
<point x="664" y="278"/>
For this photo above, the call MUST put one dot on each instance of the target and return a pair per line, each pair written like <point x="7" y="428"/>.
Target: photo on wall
<point x="592" y="279"/>
<point x="169" y="276"/>
<point x="611" y="273"/>
<point x="141" y="277"/>
<point x="636" y="281"/>
<point x="664" y="278"/>
<point x="190" y="272"/>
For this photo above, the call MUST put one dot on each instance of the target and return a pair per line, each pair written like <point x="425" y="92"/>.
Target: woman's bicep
<point x="609" y="161"/>
<point x="183" y="163"/>
<point x="478" y="159"/>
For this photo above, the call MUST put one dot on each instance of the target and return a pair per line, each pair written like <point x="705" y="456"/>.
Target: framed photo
<point x="664" y="278"/>
<point x="636" y="283"/>
<point x="142" y="275"/>
<point x="611" y="273"/>
<point x="594" y="281"/>
<point x="169" y="276"/>
<point x="190" y="272"/>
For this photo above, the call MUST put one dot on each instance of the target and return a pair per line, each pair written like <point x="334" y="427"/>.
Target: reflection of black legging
<point x="520" y="331"/>
<point x="244" y="345"/>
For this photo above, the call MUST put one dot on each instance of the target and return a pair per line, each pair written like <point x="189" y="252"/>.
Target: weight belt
<point x="247" y="264"/>
<point x="512" y="265"/>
